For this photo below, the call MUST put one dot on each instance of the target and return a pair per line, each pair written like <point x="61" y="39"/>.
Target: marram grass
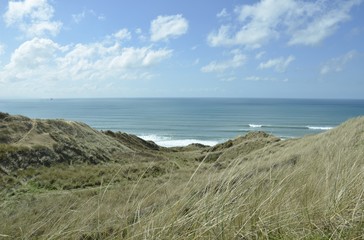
<point x="308" y="188"/>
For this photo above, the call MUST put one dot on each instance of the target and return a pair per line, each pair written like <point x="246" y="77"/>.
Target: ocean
<point x="181" y="121"/>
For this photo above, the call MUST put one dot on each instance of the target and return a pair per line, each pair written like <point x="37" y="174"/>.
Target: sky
<point x="204" y="48"/>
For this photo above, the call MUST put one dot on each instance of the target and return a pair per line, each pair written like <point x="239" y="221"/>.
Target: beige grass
<point x="309" y="188"/>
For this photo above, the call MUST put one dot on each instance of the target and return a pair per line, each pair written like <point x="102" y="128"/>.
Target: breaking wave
<point x="170" y="142"/>
<point x="319" y="128"/>
<point x="323" y="128"/>
<point x="255" y="125"/>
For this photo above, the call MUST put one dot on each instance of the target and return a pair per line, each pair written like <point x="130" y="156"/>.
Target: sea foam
<point x="165" y="141"/>
<point x="255" y="125"/>
<point x="319" y="128"/>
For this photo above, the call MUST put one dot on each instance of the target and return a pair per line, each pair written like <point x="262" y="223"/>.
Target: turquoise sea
<point x="181" y="121"/>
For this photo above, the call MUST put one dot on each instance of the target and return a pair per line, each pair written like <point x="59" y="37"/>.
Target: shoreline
<point x="213" y="120"/>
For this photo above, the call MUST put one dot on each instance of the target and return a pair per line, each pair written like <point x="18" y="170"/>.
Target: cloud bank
<point x="302" y="22"/>
<point x="42" y="59"/>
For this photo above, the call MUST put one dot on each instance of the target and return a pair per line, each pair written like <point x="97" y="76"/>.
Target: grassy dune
<point x="252" y="187"/>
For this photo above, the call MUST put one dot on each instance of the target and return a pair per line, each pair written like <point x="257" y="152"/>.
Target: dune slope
<point x="251" y="187"/>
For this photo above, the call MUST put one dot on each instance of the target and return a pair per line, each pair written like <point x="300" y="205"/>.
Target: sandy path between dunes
<point x="34" y="125"/>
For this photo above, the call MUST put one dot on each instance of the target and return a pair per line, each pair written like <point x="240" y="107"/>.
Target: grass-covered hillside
<point x="65" y="180"/>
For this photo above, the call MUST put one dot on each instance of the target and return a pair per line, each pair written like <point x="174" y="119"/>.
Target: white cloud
<point x="258" y="78"/>
<point x="223" y="14"/>
<point x="122" y="34"/>
<point x="304" y="22"/>
<point x="140" y="34"/>
<point x="33" y="59"/>
<point x="35" y="9"/>
<point x="79" y="17"/>
<point x="138" y="31"/>
<point x="101" y="17"/>
<point x="42" y="28"/>
<point x="42" y="59"/>
<point x="253" y="78"/>
<point x="337" y="64"/>
<point x="278" y="64"/>
<point x="32" y="17"/>
<point x="323" y="26"/>
<point x="256" y="24"/>
<point x="221" y="37"/>
<point x="165" y="27"/>
<point x="237" y="60"/>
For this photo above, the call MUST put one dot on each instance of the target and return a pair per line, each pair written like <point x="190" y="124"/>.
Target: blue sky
<point x="205" y="48"/>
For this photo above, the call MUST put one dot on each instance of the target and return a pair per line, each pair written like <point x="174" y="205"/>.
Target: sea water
<point x="181" y="121"/>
